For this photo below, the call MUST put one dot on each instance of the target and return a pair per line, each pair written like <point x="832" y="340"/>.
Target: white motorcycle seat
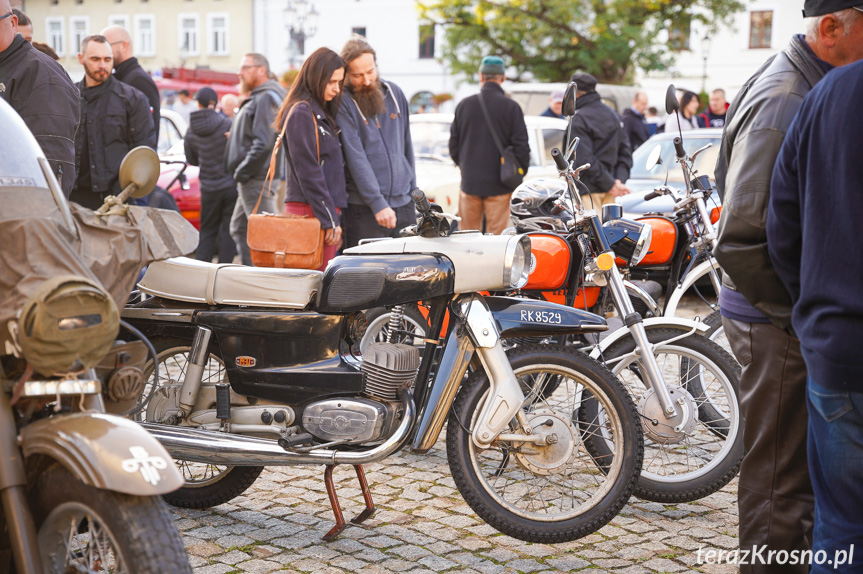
<point x="184" y="279"/>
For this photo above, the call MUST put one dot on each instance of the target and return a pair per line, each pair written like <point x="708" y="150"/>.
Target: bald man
<point x="129" y="71"/>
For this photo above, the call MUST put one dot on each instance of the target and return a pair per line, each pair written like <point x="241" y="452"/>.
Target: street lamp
<point x="705" y="52"/>
<point x="301" y="17"/>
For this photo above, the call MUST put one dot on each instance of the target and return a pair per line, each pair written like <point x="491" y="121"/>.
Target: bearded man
<point x="115" y="118"/>
<point x="376" y="142"/>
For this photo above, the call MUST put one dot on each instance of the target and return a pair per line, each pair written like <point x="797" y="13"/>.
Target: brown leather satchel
<point x="285" y="240"/>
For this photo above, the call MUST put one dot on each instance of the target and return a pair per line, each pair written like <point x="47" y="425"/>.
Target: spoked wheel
<point x="84" y="529"/>
<point x="411" y="329"/>
<point x="206" y="484"/>
<point x="698" y="451"/>
<point x="558" y="491"/>
<point x="716" y="331"/>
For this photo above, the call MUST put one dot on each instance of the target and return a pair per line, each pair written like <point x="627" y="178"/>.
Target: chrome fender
<point x="104" y="451"/>
<point x="700" y="271"/>
<point x="652" y="323"/>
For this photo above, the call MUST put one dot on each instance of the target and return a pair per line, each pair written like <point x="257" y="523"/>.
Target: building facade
<point x="176" y="33"/>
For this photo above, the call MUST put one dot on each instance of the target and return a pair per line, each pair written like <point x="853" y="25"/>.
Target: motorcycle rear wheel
<point x="82" y="528"/>
<point x="544" y="494"/>
<point x="207" y="484"/>
<point x="707" y="456"/>
<point x="411" y="330"/>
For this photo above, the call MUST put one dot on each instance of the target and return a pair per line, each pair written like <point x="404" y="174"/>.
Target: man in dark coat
<point x="635" y="122"/>
<point x="129" y="71"/>
<point x="603" y="144"/>
<point x="774" y="495"/>
<point x="205" y="144"/>
<point x="473" y="149"/>
<point x="40" y="90"/>
<point x="115" y="118"/>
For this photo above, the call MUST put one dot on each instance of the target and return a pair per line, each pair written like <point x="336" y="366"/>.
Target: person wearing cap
<point x="205" y="144"/>
<point x="555" y="103"/>
<point x="635" y="122"/>
<point x="472" y="147"/>
<point x="775" y="497"/>
<point x="376" y="142"/>
<point x="129" y="71"/>
<point x="602" y="143"/>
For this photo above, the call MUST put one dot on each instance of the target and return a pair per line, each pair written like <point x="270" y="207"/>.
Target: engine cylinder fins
<point x="387" y="367"/>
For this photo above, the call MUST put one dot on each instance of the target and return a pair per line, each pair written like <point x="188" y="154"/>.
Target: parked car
<point x="184" y="186"/>
<point x="440" y="178"/>
<point x="642" y="180"/>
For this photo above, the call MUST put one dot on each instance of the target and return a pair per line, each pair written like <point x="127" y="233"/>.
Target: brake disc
<point x="551" y="458"/>
<point x="668" y="431"/>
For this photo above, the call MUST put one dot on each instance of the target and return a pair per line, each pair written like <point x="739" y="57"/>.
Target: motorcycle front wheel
<point x="699" y="451"/>
<point x="207" y="484"/>
<point x="556" y="492"/>
<point x="83" y="529"/>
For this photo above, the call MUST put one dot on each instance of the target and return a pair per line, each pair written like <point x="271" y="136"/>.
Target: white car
<point x="440" y="178"/>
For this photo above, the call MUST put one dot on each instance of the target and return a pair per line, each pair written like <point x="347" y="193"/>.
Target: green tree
<point x="551" y="39"/>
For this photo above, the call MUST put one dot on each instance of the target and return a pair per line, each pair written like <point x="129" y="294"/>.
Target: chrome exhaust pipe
<point x="214" y="447"/>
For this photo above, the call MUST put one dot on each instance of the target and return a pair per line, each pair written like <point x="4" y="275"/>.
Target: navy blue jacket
<point x="815" y="245"/>
<point x="321" y="184"/>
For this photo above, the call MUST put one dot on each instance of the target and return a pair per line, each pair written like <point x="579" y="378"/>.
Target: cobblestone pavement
<point x="423" y="525"/>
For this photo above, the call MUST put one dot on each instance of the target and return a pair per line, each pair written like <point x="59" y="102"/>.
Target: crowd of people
<point x="348" y="161"/>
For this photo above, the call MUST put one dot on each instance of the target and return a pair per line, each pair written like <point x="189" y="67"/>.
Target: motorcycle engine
<point x="387" y="367"/>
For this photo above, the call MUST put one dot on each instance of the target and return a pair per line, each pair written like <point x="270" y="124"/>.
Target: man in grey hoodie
<point x="376" y="142"/>
<point x="250" y="144"/>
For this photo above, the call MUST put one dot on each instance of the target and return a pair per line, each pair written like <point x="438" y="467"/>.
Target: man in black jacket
<point x="775" y="497"/>
<point x="129" y="71"/>
<point x="42" y="93"/>
<point x="205" y="144"/>
<point x="115" y="118"/>
<point x="603" y="144"/>
<point x="250" y="145"/>
<point x="634" y="121"/>
<point x="473" y="149"/>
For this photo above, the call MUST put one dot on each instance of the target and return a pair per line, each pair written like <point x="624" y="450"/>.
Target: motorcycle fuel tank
<point x="550" y="258"/>
<point x="358" y="283"/>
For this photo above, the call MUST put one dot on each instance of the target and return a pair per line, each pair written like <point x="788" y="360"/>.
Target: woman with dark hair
<point x="314" y="164"/>
<point x="688" y="114"/>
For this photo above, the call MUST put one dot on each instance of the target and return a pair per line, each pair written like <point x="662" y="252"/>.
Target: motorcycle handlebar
<point x="422" y="204"/>
<point x="558" y="159"/>
<point x="651" y="195"/>
<point x="678" y="147"/>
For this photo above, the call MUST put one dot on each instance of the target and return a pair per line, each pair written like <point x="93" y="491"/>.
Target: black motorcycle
<point x="263" y="367"/>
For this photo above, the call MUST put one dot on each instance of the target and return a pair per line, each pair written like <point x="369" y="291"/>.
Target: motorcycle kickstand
<point x="334" y="501"/>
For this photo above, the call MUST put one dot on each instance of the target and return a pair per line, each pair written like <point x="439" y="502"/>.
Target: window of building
<point x="79" y="29"/>
<point x="426" y="41"/>
<point x="760" y="28"/>
<point x="121" y="20"/>
<point x="56" y="35"/>
<point x="359" y="30"/>
<point x="145" y="35"/>
<point x="217" y="32"/>
<point x="189" y="34"/>
<point x="678" y="35"/>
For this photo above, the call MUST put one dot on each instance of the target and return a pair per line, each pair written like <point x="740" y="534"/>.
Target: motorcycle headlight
<point x="516" y="266"/>
<point x="630" y="240"/>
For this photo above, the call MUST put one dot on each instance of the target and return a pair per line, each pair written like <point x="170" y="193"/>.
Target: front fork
<point x="643" y="349"/>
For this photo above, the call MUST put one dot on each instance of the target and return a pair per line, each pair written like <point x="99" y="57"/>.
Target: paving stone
<point x="233" y="557"/>
<point x="568" y="563"/>
<point x="259" y="566"/>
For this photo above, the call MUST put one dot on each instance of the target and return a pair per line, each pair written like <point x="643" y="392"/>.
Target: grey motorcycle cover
<point x="37" y="242"/>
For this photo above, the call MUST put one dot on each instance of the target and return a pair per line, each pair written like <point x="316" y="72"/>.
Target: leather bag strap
<point x="271" y="171"/>
<point x="490" y="125"/>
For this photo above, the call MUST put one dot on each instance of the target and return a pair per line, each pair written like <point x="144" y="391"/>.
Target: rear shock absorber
<point x="395" y="322"/>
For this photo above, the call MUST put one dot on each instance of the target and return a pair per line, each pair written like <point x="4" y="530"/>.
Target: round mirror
<point x="653" y="157"/>
<point x="671" y="103"/>
<point x="141" y="167"/>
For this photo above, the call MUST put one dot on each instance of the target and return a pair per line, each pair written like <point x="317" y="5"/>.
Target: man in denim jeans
<point x="815" y="206"/>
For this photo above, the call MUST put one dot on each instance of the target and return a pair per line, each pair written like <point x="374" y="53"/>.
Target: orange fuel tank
<point x="550" y="257"/>
<point x="662" y="241"/>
